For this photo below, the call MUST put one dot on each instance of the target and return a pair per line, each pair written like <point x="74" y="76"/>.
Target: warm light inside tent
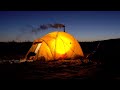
<point x="38" y="46"/>
<point x="55" y="46"/>
<point x="63" y="45"/>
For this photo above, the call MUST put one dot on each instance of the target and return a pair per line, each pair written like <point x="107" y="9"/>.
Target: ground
<point x="49" y="70"/>
<point x="105" y="63"/>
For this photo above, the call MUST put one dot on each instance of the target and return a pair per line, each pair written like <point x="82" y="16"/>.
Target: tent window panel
<point x="38" y="46"/>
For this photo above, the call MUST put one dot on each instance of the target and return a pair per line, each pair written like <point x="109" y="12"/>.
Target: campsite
<point x="104" y="65"/>
<point x="47" y="45"/>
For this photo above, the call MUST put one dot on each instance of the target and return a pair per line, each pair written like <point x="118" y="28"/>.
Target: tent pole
<point x="64" y="28"/>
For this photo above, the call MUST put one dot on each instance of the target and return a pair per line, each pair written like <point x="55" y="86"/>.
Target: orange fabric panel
<point x="57" y="45"/>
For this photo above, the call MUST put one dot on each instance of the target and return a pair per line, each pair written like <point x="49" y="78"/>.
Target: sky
<point x="83" y="25"/>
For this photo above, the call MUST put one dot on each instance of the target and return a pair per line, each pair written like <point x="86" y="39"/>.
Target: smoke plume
<point x="47" y="26"/>
<point x="29" y="29"/>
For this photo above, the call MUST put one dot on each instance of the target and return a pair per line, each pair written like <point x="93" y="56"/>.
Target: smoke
<point x="44" y="27"/>
<point x="47" y="26"/>
<point x="57" y="25"/>
<point x="25" y="32"/>
<point x="31" y="30"/>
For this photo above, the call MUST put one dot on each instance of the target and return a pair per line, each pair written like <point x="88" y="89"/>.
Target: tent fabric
<point x="56" y="45"/>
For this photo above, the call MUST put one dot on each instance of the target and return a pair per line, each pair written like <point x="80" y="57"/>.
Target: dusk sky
<point x="83" y="25"/>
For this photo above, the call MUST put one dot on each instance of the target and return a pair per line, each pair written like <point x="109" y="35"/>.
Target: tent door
<point x="38" y="46"/>
<point x="31" y="55"/>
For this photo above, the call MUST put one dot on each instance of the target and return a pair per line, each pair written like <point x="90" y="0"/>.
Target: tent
<point x="56" y="45"/>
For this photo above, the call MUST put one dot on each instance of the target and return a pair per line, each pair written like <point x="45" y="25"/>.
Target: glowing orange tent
<point x="56" y="45"/>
